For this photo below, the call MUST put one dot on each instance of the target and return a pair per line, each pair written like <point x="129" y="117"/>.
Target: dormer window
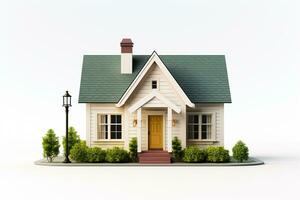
<point x="154" y="84"/>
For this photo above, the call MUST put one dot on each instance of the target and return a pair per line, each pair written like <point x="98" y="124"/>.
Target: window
<point x="109" y="127"/>
<point x="115" y="127"/>
<point x="154" y="84"/>
<point x="200" y="126"/>
<point x="102" y="127"/>
<point x="206" y="127"/>
<point x="193" y="127"/>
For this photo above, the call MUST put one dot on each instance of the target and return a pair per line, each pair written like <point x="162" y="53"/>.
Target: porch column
<point x="169" y="130"/>
<point x="139" y="129"/>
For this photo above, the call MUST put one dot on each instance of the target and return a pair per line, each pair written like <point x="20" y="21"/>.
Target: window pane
<point x="119" y="135"/>
<point x="113" y="119"/>
<point x="103" y="119"/>
<point x="208" y="131"/>
<point x="113" y="128"/>
<point x="190" y="119"/>
<point x="203" y="135"/>
<point x="204" y="119"/>
<point x="116" y="135"/>
<point x="196" y="119"/>
<point x="204" y="132"/>
<point x="113" y="135"/>
<point x="190" y="132"/>
<point x="209" y="119"/>
<point x="196" y="135"/>
<point x="102" y="132"/>
<point x="118" y="119"/>
<point x="204" y="128"/>
<point x="154" y="84"/>
<point x="102" y="128"/>
<point x="196" y="128"/>
<point x="118" y="128"/>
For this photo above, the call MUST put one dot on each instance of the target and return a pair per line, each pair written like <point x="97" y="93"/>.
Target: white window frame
<point x="99" y="124"/>
<point x="193" y="124"/>
<point x="109" y="124"/>
<point x="213" y="124"/>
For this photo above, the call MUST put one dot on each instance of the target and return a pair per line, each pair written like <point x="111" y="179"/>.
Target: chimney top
<point x="126" y="45"/>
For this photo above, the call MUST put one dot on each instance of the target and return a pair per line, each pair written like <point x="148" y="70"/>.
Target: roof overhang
<point x="149" y="97"/>
<point x="154" y="58"/>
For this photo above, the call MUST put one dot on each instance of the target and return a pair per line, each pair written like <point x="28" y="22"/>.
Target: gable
<point x="165" y="90"/>
<point x="154" y="61"/>
<point x="203" y="78"/>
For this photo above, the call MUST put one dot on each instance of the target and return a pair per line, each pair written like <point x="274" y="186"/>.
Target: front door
<point x="155" y="131"/>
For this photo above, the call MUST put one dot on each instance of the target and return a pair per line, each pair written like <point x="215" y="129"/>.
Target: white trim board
<point x="152" y="95"/>
<point x="154" y="58"/>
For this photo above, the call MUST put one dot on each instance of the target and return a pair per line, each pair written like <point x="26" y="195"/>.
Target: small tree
<point x="176" y="149"/>
<point x="72" y="137"/>
<point x="133" y="149"/>
<point x="240" y="151"/>
<point x="50" y="145"/>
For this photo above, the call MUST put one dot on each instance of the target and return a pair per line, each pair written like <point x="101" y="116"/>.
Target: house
<point x="154" y="98"/>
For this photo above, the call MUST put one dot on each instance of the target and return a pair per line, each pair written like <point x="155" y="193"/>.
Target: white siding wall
<point x="218" y="124"/>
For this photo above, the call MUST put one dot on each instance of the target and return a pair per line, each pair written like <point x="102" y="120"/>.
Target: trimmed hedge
<point x="193" y="154"/>
<point x="96" y="155"/>
<point x="217" y="154"/>
<point x="82" y="153"/>
<point x="117" y="155"/>
<point x="240" y="151"/>
<point x="79" y="152"/>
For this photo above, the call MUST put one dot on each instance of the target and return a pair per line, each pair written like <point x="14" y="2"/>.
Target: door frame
<point x="163" y="113"/>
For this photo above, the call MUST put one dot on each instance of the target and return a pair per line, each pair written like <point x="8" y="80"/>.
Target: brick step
<point x="154" y="155"/>
<point x="154" y="159"/>
<point x="155" y="162"/>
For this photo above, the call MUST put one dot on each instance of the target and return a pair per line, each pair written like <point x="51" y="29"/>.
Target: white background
<point x="42" y="44"/>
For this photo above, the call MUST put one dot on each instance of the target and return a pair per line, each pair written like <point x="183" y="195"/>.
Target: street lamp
<point x="67" y="104"/>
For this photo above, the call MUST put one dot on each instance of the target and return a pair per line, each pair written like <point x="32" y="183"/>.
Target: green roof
<point x="203" y="78"/>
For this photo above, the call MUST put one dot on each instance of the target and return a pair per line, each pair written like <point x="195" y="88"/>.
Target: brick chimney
<point x="126" y="56"/>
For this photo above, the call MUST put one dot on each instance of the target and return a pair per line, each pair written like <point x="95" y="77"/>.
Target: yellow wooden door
<point x="155" y="128"/>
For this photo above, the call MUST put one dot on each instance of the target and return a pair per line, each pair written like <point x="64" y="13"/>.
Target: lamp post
<point x="67" y="104"/>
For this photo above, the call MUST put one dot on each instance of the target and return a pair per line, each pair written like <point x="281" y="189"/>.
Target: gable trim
<point x="149" y="97"/>
<point x="154" y="58"/>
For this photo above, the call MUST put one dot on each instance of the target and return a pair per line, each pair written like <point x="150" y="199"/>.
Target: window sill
<point x="209" y="142"/>
<point x="110" y="140"/>
<point x="194" y="140"/>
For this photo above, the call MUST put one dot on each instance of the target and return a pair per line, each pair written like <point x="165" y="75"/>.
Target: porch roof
<point x="155" y="95"/>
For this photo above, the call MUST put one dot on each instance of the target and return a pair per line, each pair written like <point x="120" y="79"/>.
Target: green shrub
<point x="79" y="152"/>
<point x="217" y="154"/>
<point x="240" y="151"/>
<point x="72" y="137"/>
<point x="176" y="149"/>
<point x="133" y="149"/>
<point x="50" y="145"/>
<point x="96" y="155"/>
<point x="117" y="155"/>
<point x="193" y="154"/>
